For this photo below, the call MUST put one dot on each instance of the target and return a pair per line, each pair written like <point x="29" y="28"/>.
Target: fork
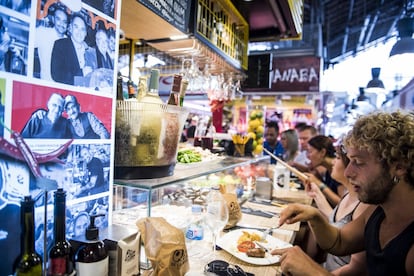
<point x="268" y="231"/>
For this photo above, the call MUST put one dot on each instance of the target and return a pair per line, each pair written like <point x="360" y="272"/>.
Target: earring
<point x="395" y="180"/>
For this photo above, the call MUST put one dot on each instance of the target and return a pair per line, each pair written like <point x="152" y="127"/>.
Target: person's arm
<point x="39" y="114"/>
<point x="97" y="126"/>
<point x="330" y="195"/>
<point x="300" y="167"/>
<point x="293" y="261"/>
<point x="322" y="203"/>
<point x="326" y="235"/>
<point x="356" y="266"/>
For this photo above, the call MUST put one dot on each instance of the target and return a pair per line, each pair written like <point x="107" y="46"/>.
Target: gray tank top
<point x="332" y="261"/>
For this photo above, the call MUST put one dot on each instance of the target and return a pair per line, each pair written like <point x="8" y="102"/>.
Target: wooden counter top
<point x="200" y="252"/>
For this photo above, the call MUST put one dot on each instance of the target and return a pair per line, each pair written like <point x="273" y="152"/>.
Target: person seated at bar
<point x="271" y="142"/>
<point x="381" y="172"/>
<point x="348" y="208"/>
<point x="321" y="154"/>
<point x="305" y="133"/>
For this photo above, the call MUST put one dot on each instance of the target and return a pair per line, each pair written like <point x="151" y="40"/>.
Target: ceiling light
<point x="375" y="82"/>
<point x="405" y="44"/>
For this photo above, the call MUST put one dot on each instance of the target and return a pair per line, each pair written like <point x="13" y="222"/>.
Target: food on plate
<point x="245" y="246"/>
<point x="246" y="236"/>
<point x="256" y="253"/>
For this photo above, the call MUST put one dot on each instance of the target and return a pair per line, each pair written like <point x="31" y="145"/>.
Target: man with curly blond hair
<point x="380" y="147"/>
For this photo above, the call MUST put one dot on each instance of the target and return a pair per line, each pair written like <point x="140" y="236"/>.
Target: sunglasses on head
<point x="222" y="268"/>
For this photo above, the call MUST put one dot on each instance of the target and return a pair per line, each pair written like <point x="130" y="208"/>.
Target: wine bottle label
<point x="57" y="266"/>
<point x="96" y="268"/>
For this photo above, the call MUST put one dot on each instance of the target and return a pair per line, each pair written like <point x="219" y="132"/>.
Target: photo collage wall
<point x="57" y="83"/>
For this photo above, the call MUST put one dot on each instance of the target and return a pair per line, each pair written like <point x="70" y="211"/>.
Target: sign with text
<point x="175" y="12"/>
<point x="291" y="74"/>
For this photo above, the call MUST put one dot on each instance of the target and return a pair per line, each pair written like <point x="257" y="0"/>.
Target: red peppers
<point x="11" y="150"/>
<point x="23" y="152"/>
<point x="27" y="154"/>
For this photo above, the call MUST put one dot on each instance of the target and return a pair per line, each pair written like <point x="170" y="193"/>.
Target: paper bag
<point x="233" y="206"/>
<point x="164" y="246"/>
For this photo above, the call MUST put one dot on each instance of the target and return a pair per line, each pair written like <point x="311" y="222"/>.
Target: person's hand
<point x="295" y="212"/>
<point x="39" y="114"/>
<point x="313" y="190"/>
<point x="313" y="178"/>
<point x="293" y="261"/>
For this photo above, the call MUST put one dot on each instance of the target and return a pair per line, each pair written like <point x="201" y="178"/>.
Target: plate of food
<point x="248" y="246"/>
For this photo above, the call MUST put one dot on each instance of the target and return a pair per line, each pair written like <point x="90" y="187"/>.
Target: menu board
<point x="175" y="12"/>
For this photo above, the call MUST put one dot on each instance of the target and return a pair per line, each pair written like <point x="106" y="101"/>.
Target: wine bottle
<point x="183" y="89"/>
<point x="142" y="87"/>
<point x="119" y="88"/>
<point x="174" y="98"/>
<point x="152" y="95"/>
<point x="29" y="262"/>
<point x="60" y="254"/>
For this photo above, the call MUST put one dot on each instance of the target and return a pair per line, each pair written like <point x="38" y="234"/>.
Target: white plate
<point x="229" y="243"/>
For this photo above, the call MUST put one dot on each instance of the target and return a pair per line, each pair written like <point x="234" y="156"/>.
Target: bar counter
<point x="200" y="253"/>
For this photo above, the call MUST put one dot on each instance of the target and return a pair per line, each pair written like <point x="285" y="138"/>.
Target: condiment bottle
<point x="60" y="254"/>
<point x="152" y="95"/>
<point x="29" y="262"/>
<point x="131" y="90"/>
<point x="91" y="258"/>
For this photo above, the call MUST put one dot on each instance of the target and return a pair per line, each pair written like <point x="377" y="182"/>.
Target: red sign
<point x="295" y="74"/>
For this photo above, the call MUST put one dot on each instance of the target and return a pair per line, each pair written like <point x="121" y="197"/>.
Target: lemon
<point x="252" y="135"/>
<point x="262" y="121"/>
<point x="254" y="144"/>
<point x="258" y="149"/>
<point x="259" y="114"/>
<point x="260" y="129"/>
<point x="253" y="124"/>
<point x="253" y="115"/>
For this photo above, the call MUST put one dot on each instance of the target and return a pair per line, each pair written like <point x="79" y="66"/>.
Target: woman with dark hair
<point x="321" y="154"/>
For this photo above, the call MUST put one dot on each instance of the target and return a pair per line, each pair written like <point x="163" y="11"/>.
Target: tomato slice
<point x="245" y="246"/>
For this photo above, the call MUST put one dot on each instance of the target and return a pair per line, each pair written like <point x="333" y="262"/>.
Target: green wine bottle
<point x="29" y="262"/>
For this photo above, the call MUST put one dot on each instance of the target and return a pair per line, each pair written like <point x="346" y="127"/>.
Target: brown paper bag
<point x="233" y="206"/>
<point x="164" y="246"/>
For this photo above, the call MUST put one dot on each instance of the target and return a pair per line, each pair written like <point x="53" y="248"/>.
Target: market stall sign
<point x="175" y="12"/>
<point x="295" y="74"/>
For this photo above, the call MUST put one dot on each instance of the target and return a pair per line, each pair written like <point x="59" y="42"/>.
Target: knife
<point x="261" y="246"/>
<point x="250" y="211"/>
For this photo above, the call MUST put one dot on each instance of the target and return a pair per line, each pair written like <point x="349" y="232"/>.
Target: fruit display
<point x="255" y="127"/>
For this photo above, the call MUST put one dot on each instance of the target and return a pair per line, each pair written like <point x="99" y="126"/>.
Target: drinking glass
<point x="216" y="215"/>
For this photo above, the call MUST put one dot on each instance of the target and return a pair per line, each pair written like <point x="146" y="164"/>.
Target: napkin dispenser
<point x="264" y="188"/>
<point x="123" y="246"/>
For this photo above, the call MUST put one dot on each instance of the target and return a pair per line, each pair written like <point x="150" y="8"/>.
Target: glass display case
<point x="172" y="197"/>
